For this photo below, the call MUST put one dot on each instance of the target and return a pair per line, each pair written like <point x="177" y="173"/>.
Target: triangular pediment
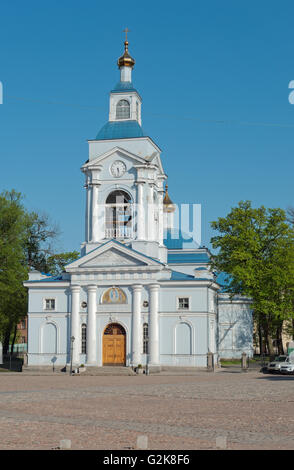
<point x="116" y="150"/>
<point x="111" y="258"/>
<point x="113" y="255"/>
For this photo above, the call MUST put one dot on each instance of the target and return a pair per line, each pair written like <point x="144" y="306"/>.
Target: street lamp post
<point x="147" y="357"/>
<point x="72" y="338"/>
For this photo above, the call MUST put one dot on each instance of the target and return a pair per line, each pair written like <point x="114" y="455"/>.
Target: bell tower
<point x="124" y="175"/>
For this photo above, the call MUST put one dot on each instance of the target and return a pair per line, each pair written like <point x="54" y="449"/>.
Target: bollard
<point x="210" y="361"/>
<point x="221" y="442"/>
<point x="65" y="444"/>
<point x="142" y="442"/>
<point x="244" y="364"/>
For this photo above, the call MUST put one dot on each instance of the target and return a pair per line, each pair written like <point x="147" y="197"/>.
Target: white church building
<point x="141" y="291"/>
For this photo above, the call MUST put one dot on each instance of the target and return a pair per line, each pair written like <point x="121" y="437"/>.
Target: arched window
<point x="84" y="339"/>
<point x="123" y="110"/>
<point x="115" y="329"/>
<point x="118" y="215"/>
<point x="145" y="338"/>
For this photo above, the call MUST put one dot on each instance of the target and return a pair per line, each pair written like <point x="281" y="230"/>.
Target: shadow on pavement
<point x="275" y="378"/>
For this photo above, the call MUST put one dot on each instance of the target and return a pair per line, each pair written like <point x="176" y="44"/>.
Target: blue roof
<point x="177" y="276"/>
<point x="223" y="279"/>
<point x="175" y="239"/>
<point x="48" y="279"/>
<point x="123" y="86"/>
<point x="120" y="130"/>
<point x="192" y="258"/>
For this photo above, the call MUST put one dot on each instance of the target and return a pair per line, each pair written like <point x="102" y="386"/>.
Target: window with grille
<point x="49" y="304"/>
<point x="123" y="110"/>
<point x="84" y="338"/>
<point x="145" y="338"/>
<point x="183" y="303"/>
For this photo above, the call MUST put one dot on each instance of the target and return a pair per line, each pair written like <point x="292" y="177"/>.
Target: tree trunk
<point x="14" y="338"/>
<point x="6" y="339"/>
<point x="261" y="342"/>
<point x="280" y="339"/>
<point x="268" y="340"/>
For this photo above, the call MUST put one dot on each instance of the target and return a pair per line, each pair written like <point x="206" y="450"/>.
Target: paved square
<point x="247" y="410"/>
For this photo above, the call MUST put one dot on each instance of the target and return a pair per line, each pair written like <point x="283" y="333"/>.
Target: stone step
<point x="48" y="370"/>
<point x="181" y="369"/>
<point x="105" y="370"/>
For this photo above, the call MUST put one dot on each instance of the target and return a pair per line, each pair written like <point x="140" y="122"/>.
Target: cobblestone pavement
<point x="252" y="410"/>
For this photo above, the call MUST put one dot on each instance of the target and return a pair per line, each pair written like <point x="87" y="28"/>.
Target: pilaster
<point x="136" y="325"/>
<point x="153" y="324"/>
<point x="75" y="323"/>
<point x="91" y="326"/>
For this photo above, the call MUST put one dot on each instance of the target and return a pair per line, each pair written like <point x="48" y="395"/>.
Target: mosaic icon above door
<point x="114" y="295"/>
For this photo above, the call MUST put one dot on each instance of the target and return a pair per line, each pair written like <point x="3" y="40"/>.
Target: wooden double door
<point x="114" y="345"/>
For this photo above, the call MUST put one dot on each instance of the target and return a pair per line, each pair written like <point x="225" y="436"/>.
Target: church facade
<point x="141" y="291"/>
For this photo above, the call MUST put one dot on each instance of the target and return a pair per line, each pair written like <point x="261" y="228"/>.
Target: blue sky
<point x="214" y="81"/>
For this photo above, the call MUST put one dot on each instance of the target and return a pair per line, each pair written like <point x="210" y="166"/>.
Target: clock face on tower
<point x="118" y="168"/>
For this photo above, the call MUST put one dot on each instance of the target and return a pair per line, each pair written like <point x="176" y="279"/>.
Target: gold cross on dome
<point x="126" y="30"/>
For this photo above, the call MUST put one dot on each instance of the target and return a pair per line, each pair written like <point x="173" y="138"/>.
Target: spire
<point x="126" y="60"/>
<point x="168" y="205"/>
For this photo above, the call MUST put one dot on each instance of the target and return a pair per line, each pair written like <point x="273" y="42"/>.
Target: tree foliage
<point x="26" y="241"/>
<point x="56" y="263"/>
<point x="256" y="249"/>
<point x="13" y="269"/>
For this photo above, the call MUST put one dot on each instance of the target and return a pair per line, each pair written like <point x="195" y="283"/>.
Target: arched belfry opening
<point x="123" y="110"/>
<point x="114" y="345"/>
<point x="119" y="215"/>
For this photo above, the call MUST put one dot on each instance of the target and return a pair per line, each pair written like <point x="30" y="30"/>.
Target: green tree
<point x="13" y="268"/>
<point x="26" y="241"/>
<point x="256" y="249"/>
<point x="41" y="234"/>
<point x="55" y="263"/>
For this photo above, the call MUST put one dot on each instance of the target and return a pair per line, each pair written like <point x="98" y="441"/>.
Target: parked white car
<point x="275" y="366"/>
<point x="287" y="368"/>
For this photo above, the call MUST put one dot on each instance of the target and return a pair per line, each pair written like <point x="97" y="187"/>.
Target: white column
<point x="87" y="215"/>
<point x="75" y="323"/>
<point x="136" y="325"/>
<point x="140" y="213"/>
<point x="150" y="220"/>
<point x="94" y="210"/>
<point x="153" y="325"/>
<point x="160" y="217"/>
<point x="91" y="326"/>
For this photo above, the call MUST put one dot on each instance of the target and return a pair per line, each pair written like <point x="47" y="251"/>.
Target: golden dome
<point x="126" y="60"/>
<point x="168" y="205"/>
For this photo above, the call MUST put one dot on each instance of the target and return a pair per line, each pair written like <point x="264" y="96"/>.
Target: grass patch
<point x="234" y="362"/>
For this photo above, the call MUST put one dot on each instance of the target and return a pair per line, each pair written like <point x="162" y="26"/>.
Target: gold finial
<point x="168" y="205"/>
<point x="126" y="60"/>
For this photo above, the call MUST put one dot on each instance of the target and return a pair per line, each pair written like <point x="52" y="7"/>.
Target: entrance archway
<point x="114" y="345"/>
